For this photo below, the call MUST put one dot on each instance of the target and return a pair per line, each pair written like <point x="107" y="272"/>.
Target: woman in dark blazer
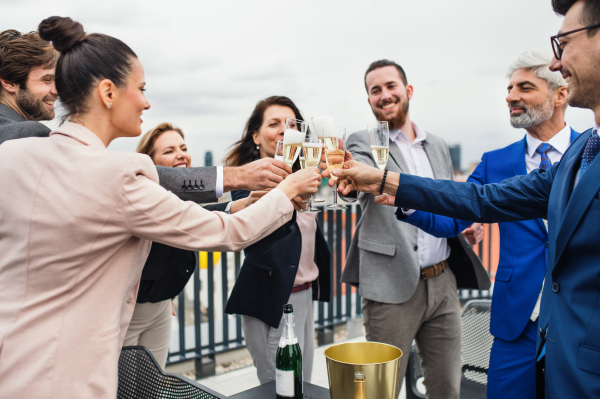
<point x="292" y="265"/>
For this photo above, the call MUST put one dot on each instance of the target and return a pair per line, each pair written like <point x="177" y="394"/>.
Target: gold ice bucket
<point x="379" y="362"/>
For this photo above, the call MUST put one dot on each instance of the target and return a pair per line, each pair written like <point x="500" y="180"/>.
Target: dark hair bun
<point x="63" y="32"/>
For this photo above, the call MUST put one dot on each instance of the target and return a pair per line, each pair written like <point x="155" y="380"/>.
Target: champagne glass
<point x="312" y="148"/>
<point x="379" y="137"/>
<point x="335" y="139"/>
<point x="279" y="151"/>
<point x="293" y="137"/>
<point x="319" y="123"/>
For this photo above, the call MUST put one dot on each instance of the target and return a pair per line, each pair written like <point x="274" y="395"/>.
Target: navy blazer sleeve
<point x="518" y="198"/>
<point x="443" y="226"/>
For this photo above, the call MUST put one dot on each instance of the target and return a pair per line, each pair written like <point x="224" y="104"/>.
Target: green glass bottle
<point x="288" y="361"/>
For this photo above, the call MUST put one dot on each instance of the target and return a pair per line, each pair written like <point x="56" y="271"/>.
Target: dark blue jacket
<point x="267" y="276"/>
<point x="523" y="245"/>
<point x="570" y="310"/>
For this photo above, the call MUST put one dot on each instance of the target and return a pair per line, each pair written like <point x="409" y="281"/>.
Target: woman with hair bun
<point x="77" y="221"/>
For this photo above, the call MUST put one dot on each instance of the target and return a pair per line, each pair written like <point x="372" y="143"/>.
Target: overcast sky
<point x="207" y="63"/>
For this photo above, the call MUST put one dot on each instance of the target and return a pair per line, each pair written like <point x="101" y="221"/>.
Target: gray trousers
<point x="432" y="318"/>
<point x="262" y="339"/>
<point x="150" y="326"/>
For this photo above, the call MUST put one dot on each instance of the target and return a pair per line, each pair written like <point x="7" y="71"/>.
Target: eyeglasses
<point x="556" y="46"/>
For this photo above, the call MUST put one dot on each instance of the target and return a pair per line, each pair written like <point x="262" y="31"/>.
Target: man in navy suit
<point x="567" y="194"/>
<point x="537" y="99"/>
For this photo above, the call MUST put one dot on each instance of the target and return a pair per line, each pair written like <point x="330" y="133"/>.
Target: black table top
<point x="267" y="391"/>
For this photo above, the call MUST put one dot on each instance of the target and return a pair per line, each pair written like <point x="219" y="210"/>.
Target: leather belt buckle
<point x="434" y="270"/>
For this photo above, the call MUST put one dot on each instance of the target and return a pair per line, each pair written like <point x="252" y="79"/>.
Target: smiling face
<point x="170" y="150"/>
<point x="37" y="96"/>
<point x="529" y="100"/>
<point x="272" y="128"/>
<point x="580" y="61"/>
<point x="130" y="102"/>
<point x="388" y="96"/>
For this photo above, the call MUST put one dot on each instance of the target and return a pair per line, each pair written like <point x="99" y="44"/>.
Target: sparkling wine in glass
<point x="379" y="137"/>
<point x="335" y="139"/>
<point x="312" y="148"/>
<point x="293" y="137"/>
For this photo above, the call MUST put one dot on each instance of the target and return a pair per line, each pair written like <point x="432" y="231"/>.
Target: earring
<point x="257" y="147"/>
<point x="110" y="105"/>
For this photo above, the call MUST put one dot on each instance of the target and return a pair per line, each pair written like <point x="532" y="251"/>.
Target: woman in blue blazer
<point x="292" y="265"/>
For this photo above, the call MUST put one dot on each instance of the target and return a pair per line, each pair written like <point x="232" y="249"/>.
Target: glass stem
<point x="335" y="193"/>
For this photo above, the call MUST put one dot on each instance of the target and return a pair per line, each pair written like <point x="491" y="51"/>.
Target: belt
<point x="302" y="287"/>
<point x="433" y="270"/>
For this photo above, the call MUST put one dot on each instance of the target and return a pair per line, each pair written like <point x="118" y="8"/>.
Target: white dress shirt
<point x="559" y="142"/>
<point x="431" y="250"/>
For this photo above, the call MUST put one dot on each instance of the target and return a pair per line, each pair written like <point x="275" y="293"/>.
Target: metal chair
<point x="140" y="377"/>
<point x="475" y="354"/>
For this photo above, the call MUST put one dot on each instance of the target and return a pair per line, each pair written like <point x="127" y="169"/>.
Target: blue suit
<point x="569" y="320"/>
<point x="519" y="278"/>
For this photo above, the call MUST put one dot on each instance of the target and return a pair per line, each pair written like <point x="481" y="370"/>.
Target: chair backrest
<point x="140" y="377"/>
<point x="475" y="354"/>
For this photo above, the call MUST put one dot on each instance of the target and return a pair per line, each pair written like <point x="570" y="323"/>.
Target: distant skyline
<point x="208" y="63"/>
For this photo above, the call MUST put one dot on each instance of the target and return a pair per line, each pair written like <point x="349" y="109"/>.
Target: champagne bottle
<point x="288" y="361"/>
<point x="359" y="385"/>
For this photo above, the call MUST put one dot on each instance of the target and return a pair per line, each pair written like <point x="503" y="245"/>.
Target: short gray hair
<point x="537" y="61"/>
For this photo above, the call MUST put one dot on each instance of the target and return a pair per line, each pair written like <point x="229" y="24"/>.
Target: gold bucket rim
<point x="362" y="364"/>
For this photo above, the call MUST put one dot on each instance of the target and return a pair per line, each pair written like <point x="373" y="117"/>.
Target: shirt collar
<point x="79" y="133"/>
<point x="560" y="141"/>
<point x="420" y="134"/>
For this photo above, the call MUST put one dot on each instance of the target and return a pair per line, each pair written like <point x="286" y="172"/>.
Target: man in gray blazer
<point x="408" y="291"/>
<point x="27" y="96"/>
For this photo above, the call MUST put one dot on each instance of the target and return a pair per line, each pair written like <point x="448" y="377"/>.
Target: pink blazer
<point x="76" y="224"/>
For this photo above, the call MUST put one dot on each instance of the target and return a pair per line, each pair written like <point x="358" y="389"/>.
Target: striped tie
<point x="543" y="150"/>
<point x="591" y="150"/>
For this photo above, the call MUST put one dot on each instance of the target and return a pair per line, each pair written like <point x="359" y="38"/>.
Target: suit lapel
<point x="397" y="157"/>
<point x="572" y="204"/>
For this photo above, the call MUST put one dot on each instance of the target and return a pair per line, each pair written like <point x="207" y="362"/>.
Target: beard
<point x="34" y="107"/>
<point x="582" y="93"/>
<point x="396" y="121"/>
<point x="532" y="115"/>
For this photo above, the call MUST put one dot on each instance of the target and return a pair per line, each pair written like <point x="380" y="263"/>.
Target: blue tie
<point x="589" y="153"/>
<point x="543" y="150"/>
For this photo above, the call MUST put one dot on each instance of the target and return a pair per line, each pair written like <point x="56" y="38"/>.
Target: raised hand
<point x="240" y="204"/>
<point x="303" y="183"/>
<point x="254" y="176"/>
<point x="473" y="233"/>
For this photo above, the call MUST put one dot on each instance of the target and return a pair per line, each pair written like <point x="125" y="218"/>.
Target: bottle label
<point x="284" y="383"/>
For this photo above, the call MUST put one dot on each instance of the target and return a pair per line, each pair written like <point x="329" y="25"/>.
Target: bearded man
<point x="408" y="292"/>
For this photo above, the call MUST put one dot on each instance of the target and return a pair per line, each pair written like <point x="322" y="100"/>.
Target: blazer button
<point x="547" y="244"/>
<point x="555" y="287"/>
<point x="416" y="247"/>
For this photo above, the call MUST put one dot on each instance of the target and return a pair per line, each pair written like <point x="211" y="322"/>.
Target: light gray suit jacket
<point x="191" y="184"/>
<point x="383" y="260"/>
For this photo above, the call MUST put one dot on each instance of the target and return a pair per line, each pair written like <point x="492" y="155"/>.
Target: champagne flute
<point x="312" y="148"/>
<point x="279" y="151"/>
<point x="379" y="137"/>
<point x="293" y="137"/>
<point x="319" y="123"/>
<point x="335" y="139"/>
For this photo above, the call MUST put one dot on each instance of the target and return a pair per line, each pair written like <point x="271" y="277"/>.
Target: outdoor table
<point x="267" y="391"/>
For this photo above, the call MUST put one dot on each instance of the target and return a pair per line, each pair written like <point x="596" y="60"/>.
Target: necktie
<point x="543" y="150"/>
<point x="589" y="153"/>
